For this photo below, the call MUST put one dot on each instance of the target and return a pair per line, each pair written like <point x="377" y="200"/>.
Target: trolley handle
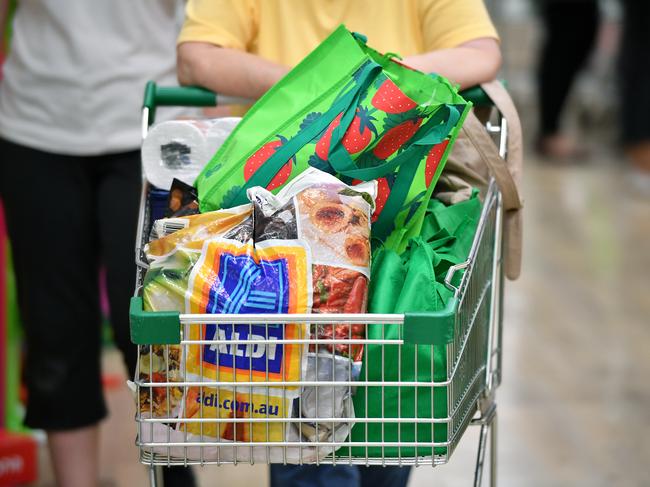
<point x="477" y="96"/>
<point x="195" y="96"/>
<point x="419" y="328"/>
<point x="182" y="96"/>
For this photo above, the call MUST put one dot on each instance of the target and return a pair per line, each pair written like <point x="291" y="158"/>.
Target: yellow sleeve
<point x="227" y="23"/>
<point x="448" y="23"/>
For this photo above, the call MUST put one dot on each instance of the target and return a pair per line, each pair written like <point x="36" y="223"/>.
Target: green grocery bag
<point x="350" y="111"/>
<point x="413" y="281"/>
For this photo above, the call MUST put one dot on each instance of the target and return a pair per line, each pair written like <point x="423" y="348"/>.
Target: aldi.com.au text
<point x="212" y="400"/>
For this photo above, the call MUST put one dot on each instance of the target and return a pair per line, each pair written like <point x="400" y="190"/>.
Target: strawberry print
<point x="390" y="99"/>
<point x="383" y="191"/>
<point x="396" y="137"/>
<point x="357" y="137"/>
<point x="433" y="160"/>
<point x="323" y="145"/>
<point x="258" y="159"/>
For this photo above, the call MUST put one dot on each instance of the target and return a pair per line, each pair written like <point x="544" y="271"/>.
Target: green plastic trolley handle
<point x="182" y="96"/>
<point x="164" y="327"/>
<point x="477" y="96"/>
<point x="194" y="96"/>
<point x="191" y="96"/>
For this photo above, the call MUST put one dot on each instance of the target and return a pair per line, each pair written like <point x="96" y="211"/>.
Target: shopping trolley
<point x="462" y="346"/>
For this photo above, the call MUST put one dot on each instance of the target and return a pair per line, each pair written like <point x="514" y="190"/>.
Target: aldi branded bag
<point x="304" y="250"/>
<point x="355" y="113"/>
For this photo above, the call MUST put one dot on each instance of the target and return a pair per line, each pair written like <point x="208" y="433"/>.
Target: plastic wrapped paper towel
<point x="219" y="131"/>
<point x="180" y="148"/>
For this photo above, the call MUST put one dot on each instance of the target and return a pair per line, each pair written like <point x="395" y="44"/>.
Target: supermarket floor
<point x="575" y="403"/>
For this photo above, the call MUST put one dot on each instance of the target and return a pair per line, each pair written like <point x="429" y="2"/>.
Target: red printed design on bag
<point x="396" y="137"/>
<point x="383" y="191"/>
<point x="356" y="138"/>
<point x="433" y="161"/>
<point x="258" y="159"/>
<point x="390" y="99"/>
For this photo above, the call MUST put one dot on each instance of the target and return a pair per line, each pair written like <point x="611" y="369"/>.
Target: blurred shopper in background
<point x="70" y="182"/>
<point x="571" y="28"/>
<point x="242" y="48"/>
<point x="635" y="86"/>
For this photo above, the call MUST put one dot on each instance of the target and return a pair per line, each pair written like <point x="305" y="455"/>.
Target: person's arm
<point x="226" y="71"/>
<point x="237" y="73"/>
<point x="468" y="64"/>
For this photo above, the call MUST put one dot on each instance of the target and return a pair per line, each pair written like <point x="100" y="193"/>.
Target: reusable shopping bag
<point x="413" y="281"/>
<point x="350" y="111"/>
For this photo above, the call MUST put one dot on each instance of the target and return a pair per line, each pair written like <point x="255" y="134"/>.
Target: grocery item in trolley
<point x="339" y="290"/>
<point x="244" y="277"/>
<point x="181" y="148"/>
<point x="158" y="363"/>
<point x="305" y="249"/>
<point x="310" y="251"/>
<point x="325" y="401"/>
<point x="182" y="200"/>
<point x="171" y="259"/>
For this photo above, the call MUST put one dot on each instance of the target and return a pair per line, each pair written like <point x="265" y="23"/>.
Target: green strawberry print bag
<point x="355" y="113"/>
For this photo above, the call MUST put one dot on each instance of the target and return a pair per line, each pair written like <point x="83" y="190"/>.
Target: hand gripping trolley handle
<point x="255" y="420"/>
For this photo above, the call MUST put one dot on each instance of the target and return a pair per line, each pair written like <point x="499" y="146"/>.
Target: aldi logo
<point x="245" y="286"/>
<point x="257" y="357"/>
<point x="241" y="278"/>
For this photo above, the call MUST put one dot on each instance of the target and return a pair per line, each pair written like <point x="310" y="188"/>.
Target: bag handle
<point x="506" y="106"/>
<point x="506" y="172"/>
<point x="385" y="224"/>
<point x="476" y="134"/>
<point x="431" y="133"/>
<point x="345" y="104"/>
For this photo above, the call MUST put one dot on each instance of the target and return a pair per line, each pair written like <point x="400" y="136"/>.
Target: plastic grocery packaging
<point x="181" y="148"/>
<point x="325" y="401"/>
<point x="306" y="249"/>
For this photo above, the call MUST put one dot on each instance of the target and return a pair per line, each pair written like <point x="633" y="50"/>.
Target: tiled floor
<point x="574" y="407"/>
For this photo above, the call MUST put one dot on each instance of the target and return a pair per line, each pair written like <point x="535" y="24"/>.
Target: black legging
<point x="571" y="27"/>
<point x="635" y="72"/>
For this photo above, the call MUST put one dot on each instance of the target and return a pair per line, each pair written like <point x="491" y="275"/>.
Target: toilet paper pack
<point x="181" y="148"/>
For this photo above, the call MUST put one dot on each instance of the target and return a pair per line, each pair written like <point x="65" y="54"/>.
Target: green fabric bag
<point x="413" y="281"/>
<point x="353" y="112"/>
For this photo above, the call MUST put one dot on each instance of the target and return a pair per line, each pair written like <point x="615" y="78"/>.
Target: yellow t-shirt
<point x="285" y="31"/>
